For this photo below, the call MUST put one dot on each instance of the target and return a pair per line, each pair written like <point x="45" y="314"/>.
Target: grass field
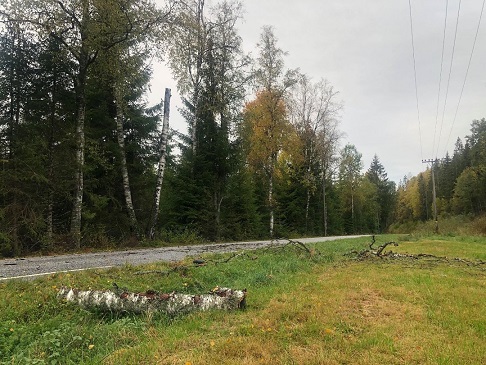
<point x="321" y="309"/>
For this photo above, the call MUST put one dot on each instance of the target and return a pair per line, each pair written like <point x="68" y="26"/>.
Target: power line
<point x="415" y="77"/>
<point x="467" y="71"/>
<point x="449" y="77"/>
<point x="440" y="75"/>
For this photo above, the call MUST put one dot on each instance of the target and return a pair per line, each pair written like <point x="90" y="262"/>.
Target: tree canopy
<point x="83" y="154"/>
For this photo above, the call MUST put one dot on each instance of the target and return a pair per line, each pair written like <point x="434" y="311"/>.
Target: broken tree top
<point x="152" y="301"/>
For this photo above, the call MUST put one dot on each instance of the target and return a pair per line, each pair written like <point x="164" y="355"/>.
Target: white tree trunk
<point x="270" y="202"/>
<point x="121" y="143"/>
<point x="162" y="159"/>
<point x="150" y="301"/>
<point x="307" y="206"/>
<point x="79" y="177"/>
<point x="324" y="202"/>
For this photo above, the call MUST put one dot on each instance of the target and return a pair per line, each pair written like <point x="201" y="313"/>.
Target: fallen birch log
<point x="151" y="301"/>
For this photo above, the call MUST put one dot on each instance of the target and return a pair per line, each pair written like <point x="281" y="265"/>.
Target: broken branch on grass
<point x="235" y="255"/>
<point x="374" y="253"/>
<point x="390" y="254"/>
<point x="275" y="244"/>
<point x="152" y="301"/>
<point x="298" y="244"/>
<point x="380" y="249"/>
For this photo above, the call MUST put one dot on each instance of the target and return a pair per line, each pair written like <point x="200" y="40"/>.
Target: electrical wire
<point x="440" y="75"/>
<point x="449" y="77"/>
<point x="467" y="71"/>
<point x="415" y="77"/>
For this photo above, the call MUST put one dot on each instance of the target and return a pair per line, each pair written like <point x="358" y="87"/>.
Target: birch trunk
<point x="218" y="199"/>
<point x="121" y="143"/>
<point x="50" y="178"/>
<point x="196" y="79"/>
<point x="307" y="205"/>
<point x="80" y="143"/>
<point x="84" y="60"/>
<point x="352" y="209"/>
<point x="324" y="202"/>
<point x="270" y="202"/>
<point x="161" y="167"/>
<point x="14" y="120"/>
<point x="150" y="301"/>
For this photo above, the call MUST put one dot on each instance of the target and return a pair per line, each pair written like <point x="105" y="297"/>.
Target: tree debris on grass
<point x="198" y="262"/>
<point x="152" y="301"/>
<point x="293" y="243"/>
<point x="371" y="252"/>
<point x="379" y="253"/>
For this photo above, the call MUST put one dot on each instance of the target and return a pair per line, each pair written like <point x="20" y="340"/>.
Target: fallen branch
<point x="275" y="244"/>
<point x="366" y="254"/>
<point x="372" y="252"/>
<point x="151" y="301"/>
<point x="297" y="244"/>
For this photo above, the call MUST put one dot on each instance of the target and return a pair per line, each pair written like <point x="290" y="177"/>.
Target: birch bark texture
<point x="123" y="160"/>
<point x="85" y="28"/>
<point x="315" y="112"/>
<point x="151" y="301"/>
<point x="161" y="166"/>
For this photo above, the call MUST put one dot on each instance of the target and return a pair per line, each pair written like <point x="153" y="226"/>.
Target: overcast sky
<point x="364" y="49"/>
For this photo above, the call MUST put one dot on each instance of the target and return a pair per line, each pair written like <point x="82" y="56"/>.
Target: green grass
<point x="324" y="309"/>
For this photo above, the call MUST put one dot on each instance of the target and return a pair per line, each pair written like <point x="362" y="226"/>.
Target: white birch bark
<point x="150" y="301"/>
<point x="126" y="180"/>
<point x="270" y="202"/>
<point x="79" y="177"/>
<point x="162" y="160"/>
<point x="324" y="202"/>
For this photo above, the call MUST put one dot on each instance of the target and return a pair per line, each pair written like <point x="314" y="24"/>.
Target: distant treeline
<point x="460" y="182"/>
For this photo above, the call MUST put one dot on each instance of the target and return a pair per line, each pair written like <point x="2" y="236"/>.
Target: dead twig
<point x="297" y="244"/>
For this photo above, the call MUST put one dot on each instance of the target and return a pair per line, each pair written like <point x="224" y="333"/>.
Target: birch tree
<point x="272" y="82"/>
<point x="85" y="28"/>
<point x="349" y="177"/>
<point x="208" y="62"/>
<point x="187" y="47"/>
<point x="161" y="164"/>
<point x="123" y="64"/>
<point x="314" y="111"/>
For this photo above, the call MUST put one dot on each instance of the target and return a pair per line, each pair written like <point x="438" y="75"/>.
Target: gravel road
<point x="32" y="267"/>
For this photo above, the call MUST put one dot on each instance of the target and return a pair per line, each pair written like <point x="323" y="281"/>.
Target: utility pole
<point x="434" y="197"/>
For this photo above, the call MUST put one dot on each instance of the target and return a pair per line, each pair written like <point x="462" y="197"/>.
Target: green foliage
<point x="460" y="183"/>
<point x="238" y="167"/>
<point x="469" y="192"/>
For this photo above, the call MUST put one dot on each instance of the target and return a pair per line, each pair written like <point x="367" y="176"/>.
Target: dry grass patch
<point x="358" y="313"/>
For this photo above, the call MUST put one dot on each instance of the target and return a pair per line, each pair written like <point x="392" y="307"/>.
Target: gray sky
<point x="364" y="49"/>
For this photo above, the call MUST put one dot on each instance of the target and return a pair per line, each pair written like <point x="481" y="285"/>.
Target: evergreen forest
<point x="85" y="161"/>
